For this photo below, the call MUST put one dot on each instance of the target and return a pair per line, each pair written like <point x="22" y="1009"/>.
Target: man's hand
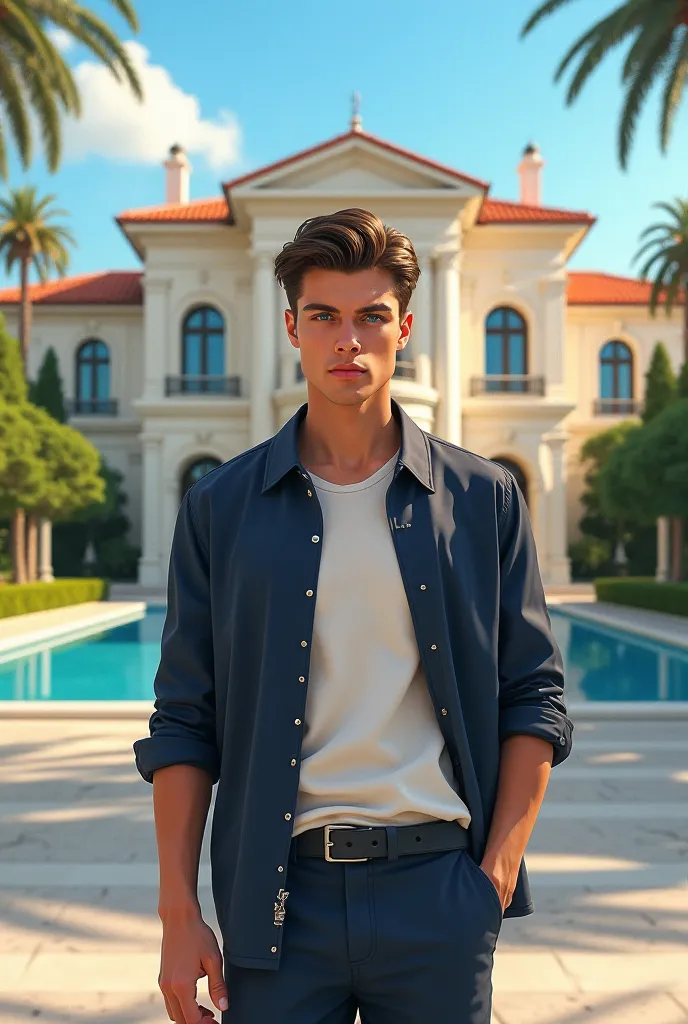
<point x="503" y="877"/>
<point x="190" y="952"/>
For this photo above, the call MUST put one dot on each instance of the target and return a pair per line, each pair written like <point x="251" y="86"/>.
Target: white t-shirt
<point x="373" y="752"/>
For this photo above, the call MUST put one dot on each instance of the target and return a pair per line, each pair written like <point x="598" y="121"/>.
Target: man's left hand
<point x="503" y="877"/>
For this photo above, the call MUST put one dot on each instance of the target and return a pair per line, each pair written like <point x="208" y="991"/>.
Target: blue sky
<point x="244" y="84"/>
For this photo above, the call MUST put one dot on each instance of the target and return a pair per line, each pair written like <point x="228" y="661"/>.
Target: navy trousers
<point x="407" y="941"/>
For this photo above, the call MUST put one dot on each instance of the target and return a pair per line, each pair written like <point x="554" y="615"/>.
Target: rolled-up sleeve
<point x="531" y="676"/>
<point x="182" y="727"/>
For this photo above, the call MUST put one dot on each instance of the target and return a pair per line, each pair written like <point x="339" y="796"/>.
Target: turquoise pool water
<point x="119" y="664"/>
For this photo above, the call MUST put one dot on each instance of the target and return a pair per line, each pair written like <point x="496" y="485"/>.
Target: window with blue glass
<point x="506" y="350"/>
<point x="616" y="372"/>
<point x="203" y="350"/>
<point x="93" y="376"/>
<point x="196" y="470"/>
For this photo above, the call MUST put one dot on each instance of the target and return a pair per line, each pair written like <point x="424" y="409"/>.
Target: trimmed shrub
<point x="644" y="593"/>
<point x="18" y="599"/>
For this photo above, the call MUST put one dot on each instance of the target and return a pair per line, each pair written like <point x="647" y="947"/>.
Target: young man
<point x="357" y="647"/>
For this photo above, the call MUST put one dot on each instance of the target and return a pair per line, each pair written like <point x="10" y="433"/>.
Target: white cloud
<point x="115" y="125"/>
<point x="61" y="39"/>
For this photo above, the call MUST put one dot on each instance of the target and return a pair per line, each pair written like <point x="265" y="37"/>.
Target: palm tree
<point x="28" y="238"/>
<point x="657" y="34"/>
<point x="35" y="77"/>
<point x="666" y="242"/>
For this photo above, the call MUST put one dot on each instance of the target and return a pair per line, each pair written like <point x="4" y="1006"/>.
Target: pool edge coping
<point x="605" y="617"/>
<point x="140" y="710"/>
<point x="67" y="632"/>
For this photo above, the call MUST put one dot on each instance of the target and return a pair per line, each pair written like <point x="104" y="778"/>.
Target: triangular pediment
<point x="355" y="164"/>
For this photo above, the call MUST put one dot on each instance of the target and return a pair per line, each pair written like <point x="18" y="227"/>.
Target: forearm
<point x="524" y="769"/>
<point x="181" y="799"/>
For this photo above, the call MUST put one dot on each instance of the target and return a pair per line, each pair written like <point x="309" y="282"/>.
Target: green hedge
<point x="644" y="593"/>
<point x="20" y="598"/>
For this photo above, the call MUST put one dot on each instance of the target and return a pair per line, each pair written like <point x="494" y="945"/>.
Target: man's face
<point x="348" y="331"/>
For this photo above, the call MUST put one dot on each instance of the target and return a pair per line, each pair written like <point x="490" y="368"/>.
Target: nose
<point x="347" y="340"/>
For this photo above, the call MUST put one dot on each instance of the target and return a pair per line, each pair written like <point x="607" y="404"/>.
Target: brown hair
<point x="348" y="240"/>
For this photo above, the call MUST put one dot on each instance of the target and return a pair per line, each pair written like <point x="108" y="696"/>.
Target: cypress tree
<point x="683" y="382"/>
<point x="46" y="390"/>
<point x="660" y="383"/>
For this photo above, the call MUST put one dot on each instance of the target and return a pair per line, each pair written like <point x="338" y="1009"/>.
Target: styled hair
<point x="348" y="240"/>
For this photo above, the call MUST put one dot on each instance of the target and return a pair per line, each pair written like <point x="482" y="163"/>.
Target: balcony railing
<point x="92" y="407"/>
<point x="616" y="407"/>
<point x="205" y="384"/>
<point x="508" y="384"/>
<point x="405" y="369"/>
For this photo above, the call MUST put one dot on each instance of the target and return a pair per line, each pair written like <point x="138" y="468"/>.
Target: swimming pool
<point x="119" y="665"/>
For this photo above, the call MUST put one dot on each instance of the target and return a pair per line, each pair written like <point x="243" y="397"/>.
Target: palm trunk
<point x="677" y="546"/>
<point x="25" y="314"/>
<point x="18" y="545"/>
<point x="31" y="549"/>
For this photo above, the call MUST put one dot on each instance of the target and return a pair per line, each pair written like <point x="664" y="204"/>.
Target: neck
<point x="350" y="442"/>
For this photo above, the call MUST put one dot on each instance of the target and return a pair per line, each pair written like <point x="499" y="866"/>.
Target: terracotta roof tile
<point x="498" y="211"/>
<point x="105" y="288"/>
<point x="588" y="288"/>
<point x="198" y="211"/>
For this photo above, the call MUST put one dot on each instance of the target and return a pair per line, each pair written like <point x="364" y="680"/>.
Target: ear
<point x="290" y="321"/>
<point x="405" y="331"/>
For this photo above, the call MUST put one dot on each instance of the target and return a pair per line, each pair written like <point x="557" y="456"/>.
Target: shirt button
<point x="302" y="679"/>
<point x="562" y="741"/>
<point x="293" y="762"/>
<point x="444" y="711"/>
<point x="297" y="721"/>
<point x="423" y="587"/>
<point x="274" y="949"/>
<point x="304" y="643"/>
<point x="309" y="593"/>
<point x="433" y="647"/>
<point x="280" y="868"/>
<point x="310" y="493"/>
<point x="315" y="538"/>
<point x="287" y="817"/>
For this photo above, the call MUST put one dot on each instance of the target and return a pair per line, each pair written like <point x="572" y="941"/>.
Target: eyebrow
<point x="376" y="307"/>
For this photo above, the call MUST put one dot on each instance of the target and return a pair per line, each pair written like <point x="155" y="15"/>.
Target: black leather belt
<point x="347" y="843"/>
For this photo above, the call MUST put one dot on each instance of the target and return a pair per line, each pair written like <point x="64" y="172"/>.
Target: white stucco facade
<point x="472" y="263"/>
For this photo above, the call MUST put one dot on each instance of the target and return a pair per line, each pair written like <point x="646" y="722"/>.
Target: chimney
<point x="530" y="173"/>
<point x="178" y="176"/>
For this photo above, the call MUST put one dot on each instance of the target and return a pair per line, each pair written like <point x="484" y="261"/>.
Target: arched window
<point x="517" y="472"/>
<point x="506" y="350"/>
<point x="197" y="469"/>
<point x="93" y="377"/>
<point x="203" y="350"/>
<point x="616" y="377"/>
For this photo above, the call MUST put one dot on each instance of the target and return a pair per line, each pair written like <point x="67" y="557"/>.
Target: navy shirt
<point x="236" y="648"/>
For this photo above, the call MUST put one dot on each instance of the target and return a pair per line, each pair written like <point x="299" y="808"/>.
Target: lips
<point x="347" y="371"/>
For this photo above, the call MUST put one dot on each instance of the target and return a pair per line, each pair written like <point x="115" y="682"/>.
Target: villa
<point x="173" y="369"/>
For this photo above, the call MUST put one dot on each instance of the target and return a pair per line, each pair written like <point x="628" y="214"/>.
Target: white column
<point x="45" y="551"/>
<point x="263" y="348"/>
<point x="448" y="344"/>
<point x="155" y="337"/>
<point x="151" y="572"/>
<point x="555" y="337"/>
<point x="663" y="549"/>
<point x="421" y="306"/>
<point x="558" y="565"/>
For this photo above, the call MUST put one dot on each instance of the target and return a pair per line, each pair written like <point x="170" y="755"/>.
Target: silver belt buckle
<point x="328" y="843"/>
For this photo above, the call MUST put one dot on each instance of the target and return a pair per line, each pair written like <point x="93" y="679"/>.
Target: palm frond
<point x="13" y="101"/>
<point x="672" y="292"/>
<point x="582" y="42"/>
<point x="673" y="90"/>
<point x="658" y="286"/>
<point x="650" y="30"/>
<point x="637" y="92"/>
<point x="610" y="34"/>
<point x="542" y="12"/>
<point x="126" y="9"/>
<point x="40" y="93"/>
<point x="3" y="152"/>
